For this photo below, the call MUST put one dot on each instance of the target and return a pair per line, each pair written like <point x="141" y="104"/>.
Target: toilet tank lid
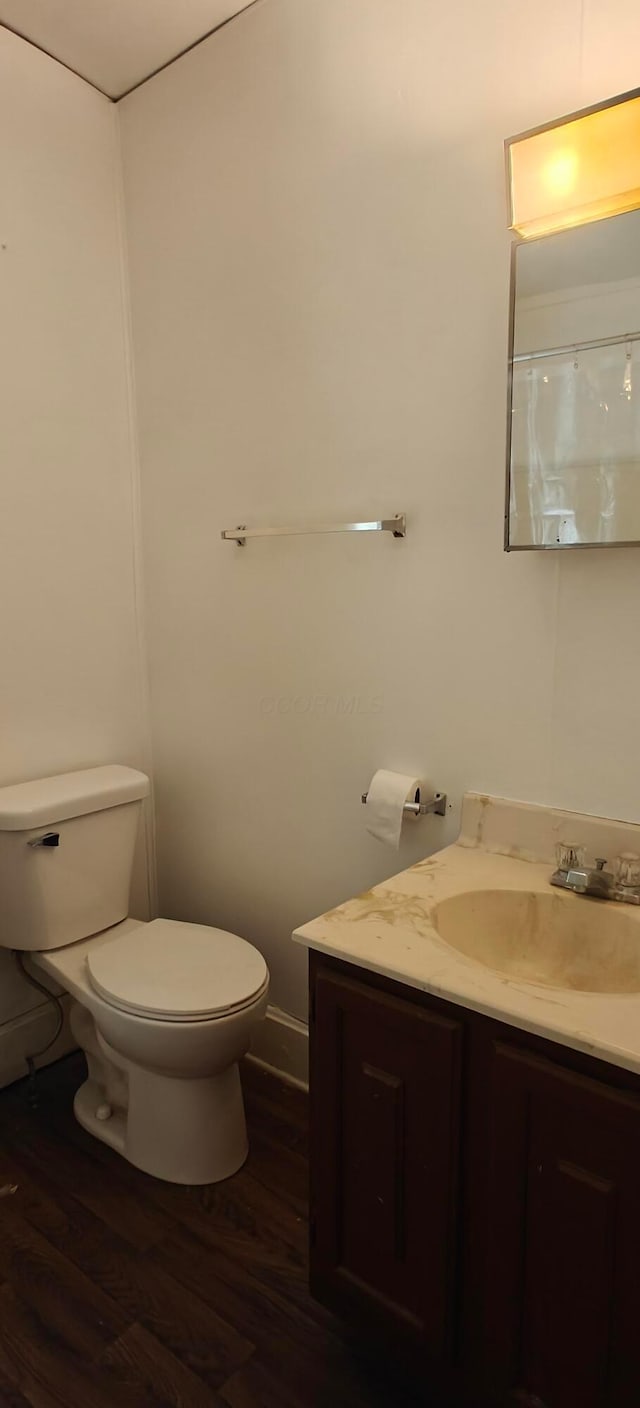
<point x="49" y="799"/>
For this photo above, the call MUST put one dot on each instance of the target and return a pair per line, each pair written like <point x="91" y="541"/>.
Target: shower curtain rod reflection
<point x="577" y="347"/>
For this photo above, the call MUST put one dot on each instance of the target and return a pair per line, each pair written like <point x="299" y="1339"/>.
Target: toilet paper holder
<point x="437" y="805"/>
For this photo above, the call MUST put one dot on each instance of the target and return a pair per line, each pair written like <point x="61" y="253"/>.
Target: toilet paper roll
<point x="387" y="794"/>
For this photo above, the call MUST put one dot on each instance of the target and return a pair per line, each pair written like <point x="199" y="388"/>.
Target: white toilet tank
<point x="66" y="854"/>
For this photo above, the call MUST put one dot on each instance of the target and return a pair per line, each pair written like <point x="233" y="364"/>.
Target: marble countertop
<point x="502" y="846"/>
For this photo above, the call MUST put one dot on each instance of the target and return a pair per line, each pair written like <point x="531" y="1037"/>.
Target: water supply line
<point x="57" y="1004"/>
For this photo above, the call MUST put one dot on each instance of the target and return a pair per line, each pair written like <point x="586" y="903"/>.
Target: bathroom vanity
<point x="476" y="1134"/>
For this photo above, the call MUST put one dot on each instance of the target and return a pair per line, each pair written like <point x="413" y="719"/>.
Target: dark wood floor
<point x="118" y="1291"/>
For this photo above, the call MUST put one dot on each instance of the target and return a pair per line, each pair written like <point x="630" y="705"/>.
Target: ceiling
<point x="116" y="44"/>
<point x="603" y="252"/>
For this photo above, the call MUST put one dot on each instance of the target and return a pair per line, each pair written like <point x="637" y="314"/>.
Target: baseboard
<point x="23" y="1035"/>
<point x="281" y="1045"/>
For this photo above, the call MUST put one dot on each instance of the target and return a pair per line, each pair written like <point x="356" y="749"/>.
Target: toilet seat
<point x="177" y="972"/>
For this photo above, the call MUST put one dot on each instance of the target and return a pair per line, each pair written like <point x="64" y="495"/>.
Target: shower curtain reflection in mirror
<point x="574" y="431"/>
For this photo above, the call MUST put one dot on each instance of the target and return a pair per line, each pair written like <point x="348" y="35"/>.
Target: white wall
<point x="72" y="685"/>
<point x="319" y="263"/>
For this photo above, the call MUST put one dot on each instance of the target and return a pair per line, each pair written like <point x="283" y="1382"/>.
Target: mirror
<point x="573" y="457"/>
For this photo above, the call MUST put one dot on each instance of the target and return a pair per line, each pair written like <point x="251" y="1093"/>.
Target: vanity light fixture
<point x="581" y="168"/>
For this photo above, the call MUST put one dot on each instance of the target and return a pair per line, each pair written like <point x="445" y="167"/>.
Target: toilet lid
<point x="177" y="972"/>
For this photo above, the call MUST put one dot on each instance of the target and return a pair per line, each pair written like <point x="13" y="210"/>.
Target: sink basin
<point x="560" y="940"/>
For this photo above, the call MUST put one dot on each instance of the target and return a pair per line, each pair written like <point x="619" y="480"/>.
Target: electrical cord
<point x="56" y="1003"/>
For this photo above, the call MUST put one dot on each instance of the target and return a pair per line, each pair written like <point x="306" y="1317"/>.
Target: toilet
<point x="163" y="1010"/>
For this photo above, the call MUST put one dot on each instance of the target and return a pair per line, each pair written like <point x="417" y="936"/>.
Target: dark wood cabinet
<point x="475" y="1197"/>
<point x="563" y="1236"/>
<point x="385" y="1149"/>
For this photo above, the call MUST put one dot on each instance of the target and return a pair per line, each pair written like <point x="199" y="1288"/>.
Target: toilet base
<point x="189" y="1131"/>
<point x="186" y="1131"/>
<point x="89" y="1098"/>
<point x="183" y="1131"/>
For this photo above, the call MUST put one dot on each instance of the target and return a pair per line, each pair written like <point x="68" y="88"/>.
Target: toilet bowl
<point x="163" y="1010"/>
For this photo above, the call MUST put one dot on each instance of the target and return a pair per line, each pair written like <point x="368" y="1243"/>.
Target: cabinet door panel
<point x="564" y="1236"/>
<point x="385" y="1115"/>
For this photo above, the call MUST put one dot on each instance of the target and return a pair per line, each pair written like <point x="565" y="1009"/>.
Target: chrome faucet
<point x="573" y="873"/>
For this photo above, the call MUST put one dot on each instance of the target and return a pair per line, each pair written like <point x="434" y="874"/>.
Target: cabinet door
<point x="385" y="1093"/>
<point x="563" y="1245"/>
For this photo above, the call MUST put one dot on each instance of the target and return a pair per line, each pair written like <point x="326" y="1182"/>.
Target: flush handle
<point x="50" y="838"/>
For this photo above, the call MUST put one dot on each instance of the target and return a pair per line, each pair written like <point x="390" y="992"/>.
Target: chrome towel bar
<point x="396" y="525"/>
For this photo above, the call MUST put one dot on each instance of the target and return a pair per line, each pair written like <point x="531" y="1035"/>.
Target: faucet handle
<point x="627" y="870"/>
<point x="570" y="857"/>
